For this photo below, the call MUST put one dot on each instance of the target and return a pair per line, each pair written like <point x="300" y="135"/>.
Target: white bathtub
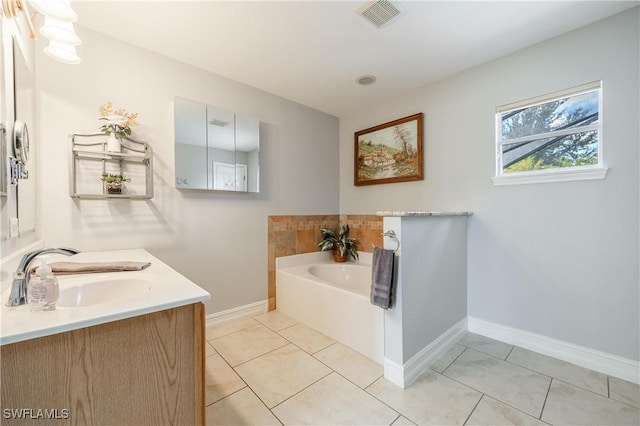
<point x="332" y="298"/>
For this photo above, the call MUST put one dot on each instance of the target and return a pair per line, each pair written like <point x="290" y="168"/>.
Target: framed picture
<point x="390" y="152"/>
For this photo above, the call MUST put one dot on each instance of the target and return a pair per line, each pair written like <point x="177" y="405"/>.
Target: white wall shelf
<point x="89" y="159"/>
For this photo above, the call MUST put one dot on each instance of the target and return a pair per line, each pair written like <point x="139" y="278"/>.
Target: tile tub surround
<point x="299" y="234"/>
<point x="334" y="386"/>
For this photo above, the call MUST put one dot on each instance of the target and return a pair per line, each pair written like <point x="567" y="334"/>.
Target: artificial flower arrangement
<point x="117" y="122"/>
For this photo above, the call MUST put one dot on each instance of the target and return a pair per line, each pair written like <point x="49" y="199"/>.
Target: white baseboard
<point x="394" y="373"/>
<point x="602" y="362"/>
<point x="237" y="313"/>
<point x="404" y="375"/>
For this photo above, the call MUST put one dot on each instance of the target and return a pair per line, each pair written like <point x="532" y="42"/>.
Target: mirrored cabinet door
<point x="247" y="152"/>
<point x="215" y="149"/>
<point x="190" y="137"/>
<point x="221" y="149"/>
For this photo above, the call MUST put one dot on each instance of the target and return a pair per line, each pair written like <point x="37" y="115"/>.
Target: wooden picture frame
<point x="390" y="152"/>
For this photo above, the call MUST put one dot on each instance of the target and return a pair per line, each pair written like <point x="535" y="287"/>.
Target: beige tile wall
<point x="289" y="235"/>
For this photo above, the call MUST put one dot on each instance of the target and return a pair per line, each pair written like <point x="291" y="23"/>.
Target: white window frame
<point x="589" y="172"/>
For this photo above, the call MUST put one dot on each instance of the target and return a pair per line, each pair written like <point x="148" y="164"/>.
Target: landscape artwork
<point x="390" y="152"/>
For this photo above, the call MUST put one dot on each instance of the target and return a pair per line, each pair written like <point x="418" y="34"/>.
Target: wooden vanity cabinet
<point x="144" y="370"/>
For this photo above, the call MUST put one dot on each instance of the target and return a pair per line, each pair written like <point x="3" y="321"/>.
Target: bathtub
<point x="332" y="298"/>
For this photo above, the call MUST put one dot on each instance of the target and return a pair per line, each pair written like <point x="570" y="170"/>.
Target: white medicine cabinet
<point x="215" y="149"/>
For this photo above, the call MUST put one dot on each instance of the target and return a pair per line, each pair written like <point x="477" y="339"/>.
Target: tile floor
<point x="271" y="370"/>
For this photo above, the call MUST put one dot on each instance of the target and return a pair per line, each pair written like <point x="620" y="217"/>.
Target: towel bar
<point x="391" y="234"/>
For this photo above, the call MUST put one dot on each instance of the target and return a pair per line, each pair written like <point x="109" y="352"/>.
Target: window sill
<point x="548" y="176"/>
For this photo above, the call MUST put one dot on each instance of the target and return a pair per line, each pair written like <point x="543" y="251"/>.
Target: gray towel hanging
<point x="382" y="277"/>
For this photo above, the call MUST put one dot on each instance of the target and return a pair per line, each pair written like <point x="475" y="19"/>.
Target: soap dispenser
<point x="43" y="290"/>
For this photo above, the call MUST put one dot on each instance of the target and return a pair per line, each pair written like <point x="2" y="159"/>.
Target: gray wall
<point x="219" y="241"/>
<point x="557" y="259"/>
<point x="431" y="287"/>
<point x="433" y="264"/>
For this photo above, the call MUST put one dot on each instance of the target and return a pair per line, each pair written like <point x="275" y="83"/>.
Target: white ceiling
<point x="312" y="52"/>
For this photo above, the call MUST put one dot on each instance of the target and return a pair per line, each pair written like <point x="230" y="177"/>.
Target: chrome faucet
<point x="23" y="273"/>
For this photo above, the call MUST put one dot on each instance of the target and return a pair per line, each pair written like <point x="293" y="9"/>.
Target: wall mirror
<point x="18" y="113"/>
<point x="23" y="127"/>
<point x="215" y="149"/>
<point x="4" y="204"/>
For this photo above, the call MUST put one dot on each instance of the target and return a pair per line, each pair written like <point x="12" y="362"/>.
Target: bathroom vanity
<point x="123" y="357"/>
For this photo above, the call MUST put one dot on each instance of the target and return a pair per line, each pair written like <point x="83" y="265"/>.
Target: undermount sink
<point x="105" y="289"/>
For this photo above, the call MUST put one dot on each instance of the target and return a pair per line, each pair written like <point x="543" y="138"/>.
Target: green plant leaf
<point x="325" y="245"/>
<point x="342" y="242"/>
<point x="110" y="178"/>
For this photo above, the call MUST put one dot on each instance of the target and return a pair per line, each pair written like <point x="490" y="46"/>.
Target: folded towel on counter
<point x="68" y="268"/>
<point x="382" y="277"/>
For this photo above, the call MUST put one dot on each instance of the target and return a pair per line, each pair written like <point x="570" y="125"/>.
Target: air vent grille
<point x="216" y="122"/>
<point x="379" y="13"/>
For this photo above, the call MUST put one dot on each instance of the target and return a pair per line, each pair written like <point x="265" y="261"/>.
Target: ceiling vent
<point x="216" y="122"/>
<point x="379" y="13"/>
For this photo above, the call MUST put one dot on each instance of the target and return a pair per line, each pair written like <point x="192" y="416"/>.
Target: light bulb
<point x="62" y="52"/>
<point x="59" y="9"/>
<point x="60" y="31"/>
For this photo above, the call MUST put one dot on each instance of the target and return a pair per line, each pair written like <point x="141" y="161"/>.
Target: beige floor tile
<point x="275" y="320"/>
<point x="282" y="373"/>
<point x="208" y="350"/>
<point x="215" y="331"/>
<point x="432" y="399"/>
<point x="565" y="371"/>
<point x="220" y="380"/>
<point x="306" y="338"/>
<point x="624" y="391"/>
<point x="486" y="345"/>
<point x="447" y="358"/>
<point x="354" y="366"/>
<point x="568" y="404"/>
<point x="403" y="421"/>
<point x="492" y="412"/>
<point x="327" y="388"/>
<point x="241" y="408"/>
<point x="334" y="401"/>
<point x="506" y="382"/>
<point x="247" y="344"/>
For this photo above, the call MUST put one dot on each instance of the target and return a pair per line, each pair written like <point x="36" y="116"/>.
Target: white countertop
<point x="169" y="289"/>
<point x="404" y="213"/>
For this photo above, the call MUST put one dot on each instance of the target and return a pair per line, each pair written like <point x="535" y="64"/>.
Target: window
<point x="551" y="138"/>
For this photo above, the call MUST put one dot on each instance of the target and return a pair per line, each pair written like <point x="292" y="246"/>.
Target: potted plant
<point x="116" y="125"/>
<point x="114" y="182"/>
<point x="342" y="245"/>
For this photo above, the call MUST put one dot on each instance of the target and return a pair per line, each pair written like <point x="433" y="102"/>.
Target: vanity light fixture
<point x="60" y="31"/>
<point x="57" y="28"/>
<point x="58" y="9"/>
<point x="62" y="52"/>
